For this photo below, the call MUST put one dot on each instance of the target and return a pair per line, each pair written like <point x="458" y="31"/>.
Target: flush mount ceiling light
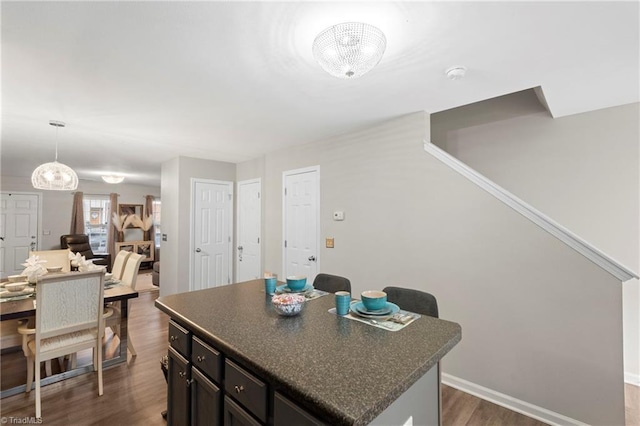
<point x="350" y="49"/>
<point x="112" y="178"/>
<point x="54" y="176"/>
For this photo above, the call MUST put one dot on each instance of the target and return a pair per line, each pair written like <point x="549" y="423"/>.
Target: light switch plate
<point x="329" y="242"/>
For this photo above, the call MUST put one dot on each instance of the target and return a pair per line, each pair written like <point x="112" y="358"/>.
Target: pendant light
<point x="54" y="176"/>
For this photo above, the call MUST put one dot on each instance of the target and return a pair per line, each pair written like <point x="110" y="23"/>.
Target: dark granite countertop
<point x="343" y="371"/>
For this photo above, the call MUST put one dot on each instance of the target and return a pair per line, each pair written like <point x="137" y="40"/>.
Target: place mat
<point x="395" y="323"/>
<point x="314" y="294"/>
<point x="112" y="283"/>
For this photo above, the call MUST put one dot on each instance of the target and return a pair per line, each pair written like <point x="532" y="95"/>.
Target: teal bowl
<point x="296" y="282"/>
<point x="374" y="300"/>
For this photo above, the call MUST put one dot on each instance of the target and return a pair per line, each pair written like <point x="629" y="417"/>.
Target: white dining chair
<point x="69" y="318"/>
<point x="54" y="258"/>
<point x="129" y="277"/>
<point x="119" y="263"/>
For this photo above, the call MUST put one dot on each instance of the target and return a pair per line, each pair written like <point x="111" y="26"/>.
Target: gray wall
<point x="176" y="215"/>
<point x="582" y="171"/>
<point x="524" y="299"/>
<point x="56" y="205"/>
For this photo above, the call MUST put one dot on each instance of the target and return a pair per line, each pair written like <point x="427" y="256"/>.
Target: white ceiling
<point x="139" y="83"/>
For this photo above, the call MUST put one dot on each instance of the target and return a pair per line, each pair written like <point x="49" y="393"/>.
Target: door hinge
<point x="258" y="195"/>
<point x="230" y="195"/>
<point x="229" y="238"/>
<point x="228" y="280"/>
<point x="258" y="240"/>
<point x="285" y="192"/>
<point x="285" y="243"/>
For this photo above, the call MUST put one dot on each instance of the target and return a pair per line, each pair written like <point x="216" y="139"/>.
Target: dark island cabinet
<point x="178" y="413"/>
<point x="206" y="388"/>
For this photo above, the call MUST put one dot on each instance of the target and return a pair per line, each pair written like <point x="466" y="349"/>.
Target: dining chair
<point x="331" y="283"/>
<point x="69" y="318"/>
<point x="129" y="277"/>
<point x="119" y="263"/>
<point x="54" y="258"/>
<point x="412" y="300"/>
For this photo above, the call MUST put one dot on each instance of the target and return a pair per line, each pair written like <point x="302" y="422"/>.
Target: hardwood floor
<point x="135" y="392"/>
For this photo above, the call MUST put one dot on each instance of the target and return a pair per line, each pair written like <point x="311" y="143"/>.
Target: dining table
<point x="25" y="308"/>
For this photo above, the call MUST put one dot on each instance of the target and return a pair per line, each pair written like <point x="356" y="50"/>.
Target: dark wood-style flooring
<point x="135" y="392"/>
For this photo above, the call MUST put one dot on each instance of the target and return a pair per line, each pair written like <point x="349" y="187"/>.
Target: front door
<point x="249" y="217"/>
<point x="212" y="228"/>
<point x="301" y="226"/>
<point x="18" y="230"/>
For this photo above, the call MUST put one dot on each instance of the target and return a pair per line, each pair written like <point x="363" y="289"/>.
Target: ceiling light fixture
<point x="54" y="176"/>
<point x="112" y="178"/>
<point x="350" y="49"/>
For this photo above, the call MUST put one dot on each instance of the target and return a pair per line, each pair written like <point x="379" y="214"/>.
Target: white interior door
<point x="301" y="225"/>
<point x="249" y="218"/>
<point x="212" y="228"/>
<point x="18" y="230"/>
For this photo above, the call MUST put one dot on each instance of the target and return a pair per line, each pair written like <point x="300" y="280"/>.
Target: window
<point x="156" y="220"/>
<point x="96" y="221"/>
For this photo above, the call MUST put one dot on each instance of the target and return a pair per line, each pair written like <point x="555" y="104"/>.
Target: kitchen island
<point x="234" y="360"/>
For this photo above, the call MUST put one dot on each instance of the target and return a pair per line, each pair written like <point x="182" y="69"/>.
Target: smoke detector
<point x="456" y="73"/>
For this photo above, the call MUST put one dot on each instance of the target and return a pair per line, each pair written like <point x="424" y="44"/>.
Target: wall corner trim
<point x="593" y="254"/>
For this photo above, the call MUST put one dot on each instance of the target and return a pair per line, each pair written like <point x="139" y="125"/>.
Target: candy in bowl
<point x="288" y="304"/>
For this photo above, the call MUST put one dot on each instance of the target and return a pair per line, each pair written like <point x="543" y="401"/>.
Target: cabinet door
<point x="205" y="400"/>
<point x="234" y="415"/>
<point x="178" y="392"/>
<point x="286" y="413"/>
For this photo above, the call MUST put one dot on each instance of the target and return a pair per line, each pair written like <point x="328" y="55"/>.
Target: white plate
<point x="7" y="293"/>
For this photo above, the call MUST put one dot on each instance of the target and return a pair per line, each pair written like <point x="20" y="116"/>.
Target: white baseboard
<point x="632" y="379"/>
<point x="509" y="402"/>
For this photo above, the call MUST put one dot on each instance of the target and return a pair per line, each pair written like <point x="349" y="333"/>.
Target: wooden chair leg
<point x="30" y="363"/>
<point x="130" y="347"/>
<point x="98" y="350"/>
<point x="47" y="367"/>
<point x="38" y="407"/>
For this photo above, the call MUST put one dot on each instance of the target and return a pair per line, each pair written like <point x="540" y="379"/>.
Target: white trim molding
<point x="513" y="404"/>
<point x="632" y="379"/>
<point x="563" y="234"/>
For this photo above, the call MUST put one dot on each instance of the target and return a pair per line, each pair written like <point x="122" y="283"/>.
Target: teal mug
<point x="343" y="300"/>
<point x="270" y="285"/>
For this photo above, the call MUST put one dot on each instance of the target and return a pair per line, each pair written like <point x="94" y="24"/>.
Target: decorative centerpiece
<point x="288" y="304"/>
<point x="34" y="268"/>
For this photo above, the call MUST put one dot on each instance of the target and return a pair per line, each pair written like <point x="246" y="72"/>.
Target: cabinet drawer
<point x="206" y="359"/>
<point x="287" y="413"/>
<point x="179" y="339"/>
<point x="246" y="389"/>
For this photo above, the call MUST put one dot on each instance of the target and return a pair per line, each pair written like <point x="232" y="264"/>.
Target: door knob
<point x="312" y="258"/>
<point x="240" y="247"/>
<point x="198" y="250"/>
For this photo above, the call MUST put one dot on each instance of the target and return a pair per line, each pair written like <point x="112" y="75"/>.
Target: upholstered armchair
<point x="79" y="243"/>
